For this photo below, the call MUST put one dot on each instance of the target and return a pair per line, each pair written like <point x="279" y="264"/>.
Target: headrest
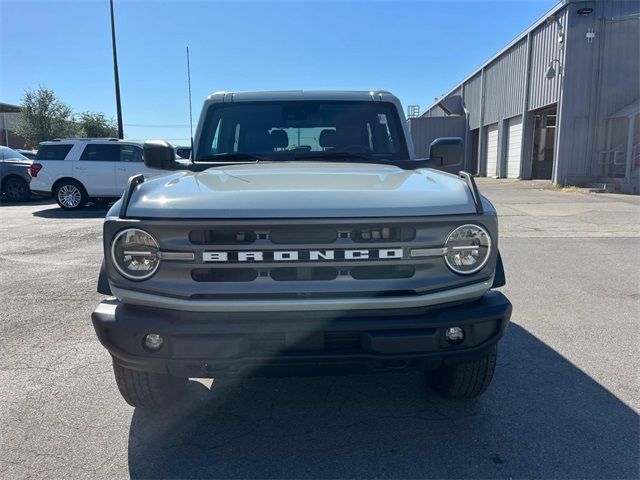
<point x="327" y="138"/>
<point x="279" y="139"/>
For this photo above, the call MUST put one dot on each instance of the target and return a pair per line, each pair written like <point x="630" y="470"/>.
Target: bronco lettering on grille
<point x="302" y="255"/>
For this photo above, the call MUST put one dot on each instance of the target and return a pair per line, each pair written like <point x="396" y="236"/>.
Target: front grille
<point x="303" y="273"/>
<point x="383" y="234"/>
<point x="265" y="259"/>
<point x="382" y="272"/>
<point x="315" y="253"/>
<point x="302" y="236"/>
<point x="224" y="275"/>
<point x="222" y="237"/>
<point x="268" y="344"/>
<point x="304" y="258"/>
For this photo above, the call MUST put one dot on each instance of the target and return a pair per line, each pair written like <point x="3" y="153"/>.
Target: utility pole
<point x="115" y="73"/>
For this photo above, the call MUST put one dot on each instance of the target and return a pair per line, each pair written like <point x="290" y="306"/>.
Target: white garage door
<point x="514" y="150"/>
<point x="492" y="150"/>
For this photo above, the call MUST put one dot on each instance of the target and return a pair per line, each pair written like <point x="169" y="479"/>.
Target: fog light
<point x="153" y="341"/>
<point x="454" y="335"/>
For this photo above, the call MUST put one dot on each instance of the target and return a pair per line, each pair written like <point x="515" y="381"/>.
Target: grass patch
<point x="565" y="188"/>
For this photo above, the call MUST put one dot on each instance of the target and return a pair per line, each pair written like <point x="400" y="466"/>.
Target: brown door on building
<point x="544" y="136"/>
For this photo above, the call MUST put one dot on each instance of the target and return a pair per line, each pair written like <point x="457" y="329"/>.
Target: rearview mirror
<point x="158" y="154"/>
<point x="447" y="151"/>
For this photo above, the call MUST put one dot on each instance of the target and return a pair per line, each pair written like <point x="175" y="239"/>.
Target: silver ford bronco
<point x="302" y="237"/>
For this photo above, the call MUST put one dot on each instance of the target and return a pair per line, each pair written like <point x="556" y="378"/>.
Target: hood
<point x="300" y="190"/>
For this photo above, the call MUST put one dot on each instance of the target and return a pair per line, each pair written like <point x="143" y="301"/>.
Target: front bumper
<point x="204" y="344"/>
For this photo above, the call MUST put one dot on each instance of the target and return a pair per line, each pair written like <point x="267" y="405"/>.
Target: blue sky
<point x="418" y="50"/>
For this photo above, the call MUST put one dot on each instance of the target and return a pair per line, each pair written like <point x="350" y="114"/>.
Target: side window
<point x="101" y="153"/>
<point x="53" y="152"/>
<point x="130" y="153"/>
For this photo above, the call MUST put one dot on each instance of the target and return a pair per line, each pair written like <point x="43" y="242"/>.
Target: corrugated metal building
<point x="560" y="102"/>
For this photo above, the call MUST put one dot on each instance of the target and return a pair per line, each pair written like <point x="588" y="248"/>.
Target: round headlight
<point x="135" y="254"/>
<point x="467" y="249"/>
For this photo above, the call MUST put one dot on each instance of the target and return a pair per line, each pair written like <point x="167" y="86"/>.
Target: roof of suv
<point x="275" y="95"/>
<point x="86" y="140"/>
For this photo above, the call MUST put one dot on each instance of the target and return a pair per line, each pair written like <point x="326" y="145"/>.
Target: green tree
<point x="44" y="117"/>
<point x="96" y="125"/>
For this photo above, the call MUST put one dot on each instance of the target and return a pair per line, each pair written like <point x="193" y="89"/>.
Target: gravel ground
<point x="564" y="401"/>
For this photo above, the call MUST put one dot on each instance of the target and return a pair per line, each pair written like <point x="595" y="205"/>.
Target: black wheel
<point x="146" y="389"/>
<point x="16" y="190"/>
<point x="466" y="380"/>
<point x="70" y="195"/>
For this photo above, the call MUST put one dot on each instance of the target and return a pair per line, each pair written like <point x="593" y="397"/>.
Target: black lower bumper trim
<point x="215" y="344"/>
<point x="41" y="193"/>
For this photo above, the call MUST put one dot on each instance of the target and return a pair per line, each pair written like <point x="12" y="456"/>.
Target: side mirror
<point x="158" y="154"/>
<point x="447" y="151"/>
<point x="183" y="152"/>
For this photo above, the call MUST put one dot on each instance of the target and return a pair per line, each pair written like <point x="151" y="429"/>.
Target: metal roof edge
<point x="555" y="9"/>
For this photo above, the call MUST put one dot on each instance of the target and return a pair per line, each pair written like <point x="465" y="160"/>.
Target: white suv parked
<point x="77" y="170"/>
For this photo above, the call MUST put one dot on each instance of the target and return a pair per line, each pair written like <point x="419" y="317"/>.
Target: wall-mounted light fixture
<point x="551" y="71"/>
<point x="583" y="12"/>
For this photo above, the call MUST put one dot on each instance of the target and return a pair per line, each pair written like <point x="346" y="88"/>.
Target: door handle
<point x="80" y="167"/>
<point x="122" y="169"/>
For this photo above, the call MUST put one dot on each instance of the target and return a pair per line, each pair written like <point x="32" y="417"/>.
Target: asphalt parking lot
<point x="564" y="401"/>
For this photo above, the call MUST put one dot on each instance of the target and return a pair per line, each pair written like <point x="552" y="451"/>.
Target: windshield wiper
<point x="232" y="157"/>
<point x="336" y="155"/>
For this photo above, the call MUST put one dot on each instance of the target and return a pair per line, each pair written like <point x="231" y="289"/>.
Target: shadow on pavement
<point x="35" y="200"/>
<point x="542" y="417"/>
<point x="92" y="210"/>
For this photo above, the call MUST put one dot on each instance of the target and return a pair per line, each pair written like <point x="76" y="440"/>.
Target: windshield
<point x="302" y="129"/>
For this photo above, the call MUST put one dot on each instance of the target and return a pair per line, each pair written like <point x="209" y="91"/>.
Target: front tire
<point x="146" y="389"/>
<point x="466" y="380"/>
<point x="71" y="195"/>
<point x="16" y="190"/>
